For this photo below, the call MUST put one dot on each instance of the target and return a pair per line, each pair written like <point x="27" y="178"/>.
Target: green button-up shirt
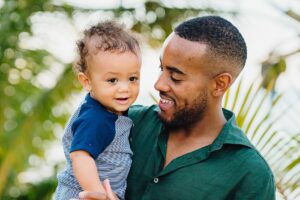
<point x="229" y="168"/>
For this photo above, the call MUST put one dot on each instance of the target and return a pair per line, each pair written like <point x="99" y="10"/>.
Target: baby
<point x="95" y="141"/>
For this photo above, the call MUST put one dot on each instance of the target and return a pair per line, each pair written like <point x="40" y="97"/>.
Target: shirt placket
<point x="181" y="162"/>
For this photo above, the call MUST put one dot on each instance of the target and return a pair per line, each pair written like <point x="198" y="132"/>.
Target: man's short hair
<point x="224" y="41"/>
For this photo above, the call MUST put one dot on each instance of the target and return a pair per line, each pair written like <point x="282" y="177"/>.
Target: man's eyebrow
<point x="174" y="69"/>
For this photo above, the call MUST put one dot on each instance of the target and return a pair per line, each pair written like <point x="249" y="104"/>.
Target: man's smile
<point x="166" y="103"/>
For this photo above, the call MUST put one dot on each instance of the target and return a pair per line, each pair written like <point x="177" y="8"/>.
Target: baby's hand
<point x="110" y="195"/>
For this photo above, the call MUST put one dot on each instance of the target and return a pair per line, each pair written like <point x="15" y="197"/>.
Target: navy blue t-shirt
<point x="104" y="135"/>
<point x="94" y="129"/>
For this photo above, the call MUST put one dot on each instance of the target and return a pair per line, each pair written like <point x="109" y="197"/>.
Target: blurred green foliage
<point x="257" y="114"/>
<point x="24" y="107"/>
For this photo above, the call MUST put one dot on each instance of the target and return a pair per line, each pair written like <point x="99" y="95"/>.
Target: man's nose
<point x="162" y="83"/>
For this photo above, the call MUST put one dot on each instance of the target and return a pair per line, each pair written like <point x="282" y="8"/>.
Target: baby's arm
<point x="85" y="171"/>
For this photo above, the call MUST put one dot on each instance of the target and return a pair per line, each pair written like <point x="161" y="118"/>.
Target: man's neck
<point x="203" y="133"/>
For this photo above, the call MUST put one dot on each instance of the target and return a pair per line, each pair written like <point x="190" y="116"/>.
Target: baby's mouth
<point x="122" y="100"/>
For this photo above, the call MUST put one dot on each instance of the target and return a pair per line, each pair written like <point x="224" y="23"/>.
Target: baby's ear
<point x="222" y="83"/>
<point x="84" y="80"/>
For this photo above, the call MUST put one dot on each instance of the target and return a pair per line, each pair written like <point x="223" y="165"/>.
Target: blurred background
<point x="40" y="91"/>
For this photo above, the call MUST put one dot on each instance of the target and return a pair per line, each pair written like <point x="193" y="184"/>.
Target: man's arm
<point x="85" y="171"/>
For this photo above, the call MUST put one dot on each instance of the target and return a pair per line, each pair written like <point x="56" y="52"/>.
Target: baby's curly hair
<point x="104" y="36"/>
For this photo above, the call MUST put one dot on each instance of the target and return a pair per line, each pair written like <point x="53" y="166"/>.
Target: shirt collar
<point x="91" y="100"/>
<point x="230" y="134"/>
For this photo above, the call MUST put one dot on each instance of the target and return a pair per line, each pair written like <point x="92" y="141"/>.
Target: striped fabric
<point x="113" y="163"/>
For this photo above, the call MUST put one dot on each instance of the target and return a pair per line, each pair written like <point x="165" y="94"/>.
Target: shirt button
<point x="155" y="180"/>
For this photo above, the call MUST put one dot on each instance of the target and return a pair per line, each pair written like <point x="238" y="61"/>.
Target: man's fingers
<point x="92" y="195"/>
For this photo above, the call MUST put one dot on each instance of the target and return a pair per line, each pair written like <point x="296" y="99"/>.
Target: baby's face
<point x="114" y="79"/>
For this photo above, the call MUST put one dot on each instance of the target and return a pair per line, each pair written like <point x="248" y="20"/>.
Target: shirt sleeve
<point x="257" y="184"/>
<point x="92" y="134"/>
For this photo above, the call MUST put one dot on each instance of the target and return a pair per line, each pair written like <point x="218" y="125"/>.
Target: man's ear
<point x="84" y="80"/>
<point x="221" y="83"/>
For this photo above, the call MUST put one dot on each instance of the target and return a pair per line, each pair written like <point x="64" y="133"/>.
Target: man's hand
<point x="110" y="195"/>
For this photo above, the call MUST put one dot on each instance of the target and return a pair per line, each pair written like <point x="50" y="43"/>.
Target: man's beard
<point x="188" y="116"/>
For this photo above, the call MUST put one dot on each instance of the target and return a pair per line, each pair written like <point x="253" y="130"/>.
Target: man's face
<point x="183" y="84"/>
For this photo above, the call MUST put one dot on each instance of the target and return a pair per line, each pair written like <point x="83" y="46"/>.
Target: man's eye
<point x="175" y="80"/>
<point x="160" y="68"/>
<point x="133" y="79"/>
<point x="112" y="80"/>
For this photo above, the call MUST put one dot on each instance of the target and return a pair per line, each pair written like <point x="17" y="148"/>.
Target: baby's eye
<point x="133" y="78"/>
<point x="112" y="80"/>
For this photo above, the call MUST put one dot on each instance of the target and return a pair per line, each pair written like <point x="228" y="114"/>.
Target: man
<point x="188" y="147"/>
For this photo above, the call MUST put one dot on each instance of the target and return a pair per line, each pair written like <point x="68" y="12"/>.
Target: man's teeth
<point x="164" y="101"/>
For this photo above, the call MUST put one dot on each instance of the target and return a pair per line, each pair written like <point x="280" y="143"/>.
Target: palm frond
<point x="255" y="115"/>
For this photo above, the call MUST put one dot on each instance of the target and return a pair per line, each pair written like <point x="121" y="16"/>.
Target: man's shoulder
<point x="141" y="108"/>
<point x="137" y="112"/>
<point x="255" y="163"/>
<point x="257" y="175"/>
<point x="145" y="120"/>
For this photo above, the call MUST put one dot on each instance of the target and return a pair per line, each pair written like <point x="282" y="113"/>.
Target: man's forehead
<point x="176" y="43"/>
<point x="183" y="54"/>
<point x="181" y="47"/>
<point x="167" y="40"/>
